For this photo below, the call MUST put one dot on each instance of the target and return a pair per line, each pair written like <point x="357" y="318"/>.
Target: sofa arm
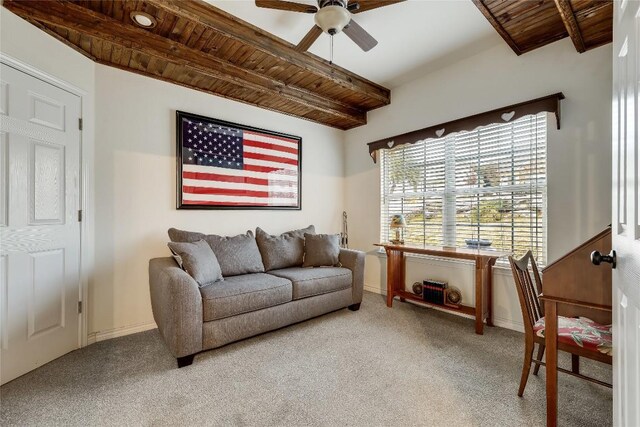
<point x="354" y="261"/>
<point x="177" y="306"/>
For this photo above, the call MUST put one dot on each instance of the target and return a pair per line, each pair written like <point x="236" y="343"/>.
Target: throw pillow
<point x="236" y="254"/>
<point x="198" y="260"/>
<point x="300" y="233"/>
<point x="321" y="250"/>
<point x="285" y="250"/>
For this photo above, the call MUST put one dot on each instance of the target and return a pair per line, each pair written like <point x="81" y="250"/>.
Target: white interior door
<point x="626" y="213"/>
<point x="39" y="228"/>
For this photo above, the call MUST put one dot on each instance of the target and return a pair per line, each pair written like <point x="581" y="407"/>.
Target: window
<point x="486" y="185"/>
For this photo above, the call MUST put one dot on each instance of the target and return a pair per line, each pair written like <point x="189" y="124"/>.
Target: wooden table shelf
<point x="471" y="311"/>
<point x="484" y="261"/>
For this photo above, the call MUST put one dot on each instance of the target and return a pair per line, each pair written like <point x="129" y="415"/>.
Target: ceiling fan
<point x="332" y="16"/>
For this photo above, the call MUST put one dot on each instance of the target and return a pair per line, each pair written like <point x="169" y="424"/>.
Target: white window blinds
<point x="487" y="185"/>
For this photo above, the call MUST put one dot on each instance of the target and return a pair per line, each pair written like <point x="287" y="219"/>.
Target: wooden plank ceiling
<point x="529" y="24"/>
<point x="202" y="47"/>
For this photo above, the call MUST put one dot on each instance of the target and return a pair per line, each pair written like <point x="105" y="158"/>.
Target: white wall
<point x="29" y="44"/>
<point x="579" y="155"/>
<point x="136" y="186"/>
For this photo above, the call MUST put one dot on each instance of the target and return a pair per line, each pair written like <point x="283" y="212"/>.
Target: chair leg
<point x="526" y="367"/>
<point x="575" y="363"/>
<point x="539" y="357"/>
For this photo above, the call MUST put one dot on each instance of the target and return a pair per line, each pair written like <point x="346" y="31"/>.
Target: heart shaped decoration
<point x="440" y="132"/>
<point x="390" y="144"/>
<point x="508" y="116"/>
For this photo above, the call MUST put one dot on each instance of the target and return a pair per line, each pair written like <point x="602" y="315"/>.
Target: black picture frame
<point x="189" y="120"/>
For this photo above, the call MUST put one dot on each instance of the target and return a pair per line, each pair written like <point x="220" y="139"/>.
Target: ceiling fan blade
<point x="360" y="36"/>
<point x="286" y="5"/>
<point x="308" y="39"/>
<point x="370" y="4"/>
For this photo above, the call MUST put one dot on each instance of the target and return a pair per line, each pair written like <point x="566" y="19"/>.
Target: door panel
<point x="626" y="213"/>
<point x="46" y="176"/>
<point x="4" y="97"/>
<point x="4" y="169"/>
<point x="4" y="301"/>
<point x="40" y="233"/>
<point x="46" y="112"/>
<point x="46" y="299"/>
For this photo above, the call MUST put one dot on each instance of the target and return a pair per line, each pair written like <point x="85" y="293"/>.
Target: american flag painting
<point x="225" y="165"/>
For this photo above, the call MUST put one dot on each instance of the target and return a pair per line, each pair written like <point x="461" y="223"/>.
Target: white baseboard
<point x="374" y="289"/>
<point x="497" y="321"/>
<point x="95" y="337"/>
<point x="508" y="324"/>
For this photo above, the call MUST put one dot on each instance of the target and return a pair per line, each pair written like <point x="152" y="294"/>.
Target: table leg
<point x="551" y="343"/>
<point x="490" y="292"/>
<point x="391" y="271"/>
<point x="479" y="297"/>
<point x="395" y="274"/>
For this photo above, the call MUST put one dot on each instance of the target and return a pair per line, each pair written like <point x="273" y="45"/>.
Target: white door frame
<point x="85" y="235"/>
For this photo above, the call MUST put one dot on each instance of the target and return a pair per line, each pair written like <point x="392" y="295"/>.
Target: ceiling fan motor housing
<point x="333" y="16"/>
<point x="323" y="3"/>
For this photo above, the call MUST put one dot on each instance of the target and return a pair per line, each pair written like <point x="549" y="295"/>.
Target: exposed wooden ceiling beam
<point x="168" y="80"/>
<point x="571" y="24"/>
<point x="230" y="26"/>
<point x="103" y="27"/>
<point x="498" y="27"/>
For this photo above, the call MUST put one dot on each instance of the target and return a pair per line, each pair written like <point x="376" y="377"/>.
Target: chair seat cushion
<point x="308" y="282"/>
<point x="242" y="294"/>
<point x="580" y="332"/>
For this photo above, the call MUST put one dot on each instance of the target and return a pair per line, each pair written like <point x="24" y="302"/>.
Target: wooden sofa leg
<point x="354" y="307"/>
<point x="185" y="360"/>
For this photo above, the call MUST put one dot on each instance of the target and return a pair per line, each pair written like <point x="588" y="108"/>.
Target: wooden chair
<point x="578" y="336"/>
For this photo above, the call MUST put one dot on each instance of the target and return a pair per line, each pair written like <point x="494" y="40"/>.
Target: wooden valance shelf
<point x="506" y="114"/>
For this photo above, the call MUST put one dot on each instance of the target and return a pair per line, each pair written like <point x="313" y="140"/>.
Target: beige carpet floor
<point x="405" y="366"/>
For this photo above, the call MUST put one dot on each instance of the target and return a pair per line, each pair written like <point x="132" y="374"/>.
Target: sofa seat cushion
<point x="308" y="282"/>
<point x="242" y="294"/>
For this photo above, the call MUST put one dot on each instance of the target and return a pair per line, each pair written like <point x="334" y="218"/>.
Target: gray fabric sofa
<point x="192" y="318"/>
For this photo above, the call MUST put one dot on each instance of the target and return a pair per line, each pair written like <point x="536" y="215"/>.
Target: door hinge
<point x="80" y="123"/>
<point x="80" y="215"/>
<point x="79" y="307"/>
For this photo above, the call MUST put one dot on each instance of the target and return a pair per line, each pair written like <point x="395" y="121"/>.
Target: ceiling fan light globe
<point x="332" y="19"/>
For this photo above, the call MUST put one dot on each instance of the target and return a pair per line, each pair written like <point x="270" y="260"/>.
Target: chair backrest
<point x="529" y="288"/>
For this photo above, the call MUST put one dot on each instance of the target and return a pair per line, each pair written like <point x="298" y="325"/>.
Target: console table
<point x="484" y="260"/>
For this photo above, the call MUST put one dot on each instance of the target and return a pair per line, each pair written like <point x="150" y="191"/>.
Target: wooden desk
<point x="551" y="343"/>
<point x="484" y="260"/>
<point x="573" y="286"/>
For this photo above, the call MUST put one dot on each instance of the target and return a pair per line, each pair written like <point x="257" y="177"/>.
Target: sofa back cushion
<point x="236" y="254"/>
<point x="321" y="250"/>
<point x="198" y="260"/>
<point x="283" y="251"/>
